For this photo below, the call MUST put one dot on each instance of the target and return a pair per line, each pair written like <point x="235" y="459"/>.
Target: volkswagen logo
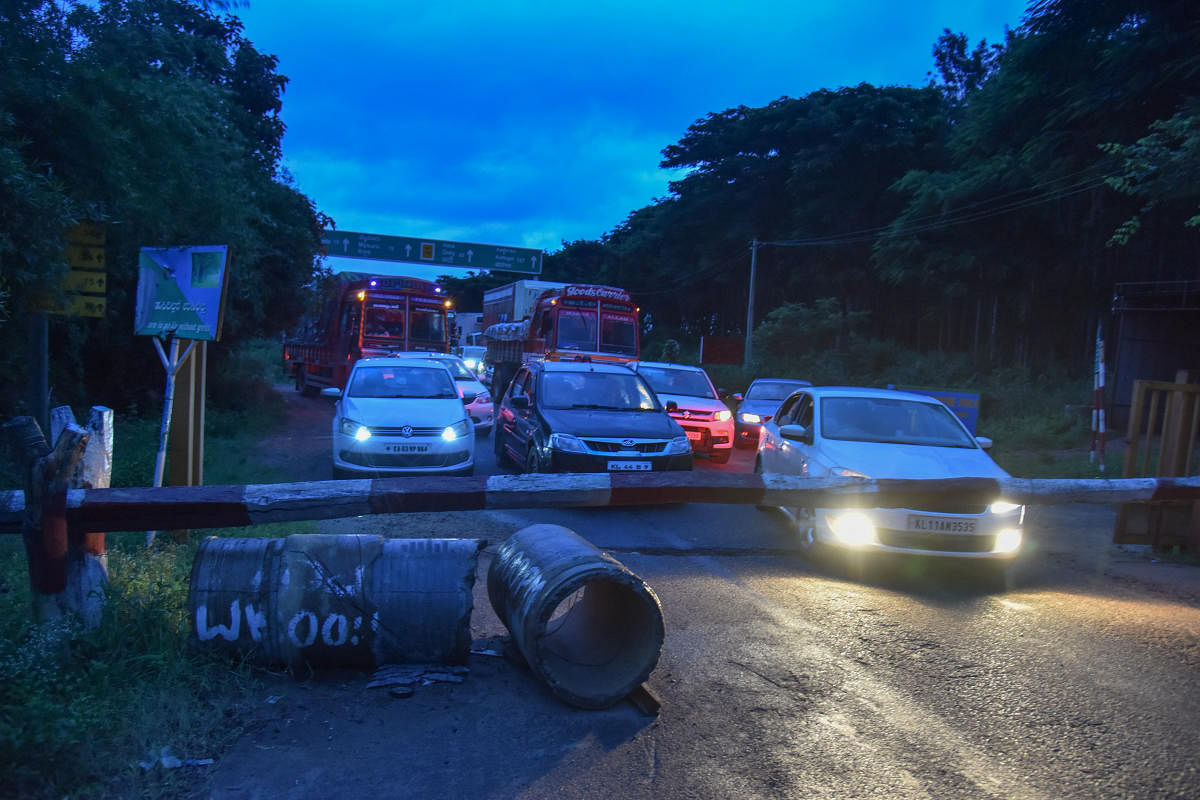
<point x="406" y="431"/>
<point x="627" y="444"/>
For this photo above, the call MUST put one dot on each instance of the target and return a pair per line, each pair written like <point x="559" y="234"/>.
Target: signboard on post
<point x="432" y="252"/>
<point x="181" y="291"/>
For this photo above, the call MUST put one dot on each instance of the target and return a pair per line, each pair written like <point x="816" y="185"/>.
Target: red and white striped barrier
<point x="95" y="510"/>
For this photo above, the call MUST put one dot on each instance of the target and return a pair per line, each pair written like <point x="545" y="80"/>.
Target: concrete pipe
<point x="322" y="600"/>
<point x="587" y="626"/>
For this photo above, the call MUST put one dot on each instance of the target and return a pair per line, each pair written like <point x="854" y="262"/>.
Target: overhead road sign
<point x="432" y="252"/>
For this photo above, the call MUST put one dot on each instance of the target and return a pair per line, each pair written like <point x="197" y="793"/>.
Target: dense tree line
<point x="990" y="213"/>
<point x="160" y="121"/>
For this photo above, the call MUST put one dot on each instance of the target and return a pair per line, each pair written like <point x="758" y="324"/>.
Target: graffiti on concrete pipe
<point x="335" y="600"/>
<point x="586" y="625"/>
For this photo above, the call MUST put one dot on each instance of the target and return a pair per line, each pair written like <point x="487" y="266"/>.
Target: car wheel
<point x="498" y="449"/>
<point x="806" y="530"/>
<point x="719" y="457"/>
<point x="533" y="462"/>
<point x="758" y="470"/>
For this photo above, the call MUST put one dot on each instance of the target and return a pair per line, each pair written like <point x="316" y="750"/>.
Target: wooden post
<point x="44" y="526"/>
<point x="185" y="444"/>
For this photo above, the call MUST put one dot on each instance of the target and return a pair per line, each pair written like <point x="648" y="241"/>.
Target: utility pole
<point x="750" y="303"/>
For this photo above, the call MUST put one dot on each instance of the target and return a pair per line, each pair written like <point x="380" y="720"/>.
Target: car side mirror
<point x="984" y="442"/>
<point x="737" y="397"/>
<point x="468" y="397"/>
<point x="672" y="406"/>
<point x="332" y="392"/>
<point x="521" y="401"/>
<point x="797" y="433"/>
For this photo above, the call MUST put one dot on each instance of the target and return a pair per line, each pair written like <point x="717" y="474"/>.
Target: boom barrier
<point x="102" y="510"/>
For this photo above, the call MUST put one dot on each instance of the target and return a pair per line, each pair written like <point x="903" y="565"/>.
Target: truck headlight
<point x="567" y="443"/>
<point x="360" y="433"/>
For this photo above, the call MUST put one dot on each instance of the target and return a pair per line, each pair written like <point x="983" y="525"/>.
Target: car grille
<point x="617" y="445"/>
<point x="400" y="460"/>
<point x="398" y="431"/>
<point x="692" y="414"/>
<point x="943" y="542"/>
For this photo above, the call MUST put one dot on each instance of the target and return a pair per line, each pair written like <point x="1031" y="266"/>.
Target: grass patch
<point x="79" y="709"/>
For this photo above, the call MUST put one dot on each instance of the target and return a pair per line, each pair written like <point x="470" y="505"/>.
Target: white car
<point x="480" y="409"/>
<point x="400" y="416"/>
<point x="706" y="420"/>
<point x="827" y="431"/>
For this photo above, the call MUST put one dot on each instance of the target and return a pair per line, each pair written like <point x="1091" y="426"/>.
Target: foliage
<point x="158" y="120"/>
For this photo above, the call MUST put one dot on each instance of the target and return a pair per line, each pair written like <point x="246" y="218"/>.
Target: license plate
<point x="940" y="524"/>
<point x="695" y="436"/>
<point x="629" y="466"/>
<point x="406" y="448"/>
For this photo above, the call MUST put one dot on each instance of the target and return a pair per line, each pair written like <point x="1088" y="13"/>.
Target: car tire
<point x="719" y="457"/>
<point x="758" y="470"/>
<point x="806" y="531"/>
<point x="498" y="449"/>
<point x="533" y="462"/>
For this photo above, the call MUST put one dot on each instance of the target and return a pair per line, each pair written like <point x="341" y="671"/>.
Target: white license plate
<point x="695" y="436"/>
<point x="940" y="524"/>
<point x="406" y="448"/>
<point x="629" y="466"/>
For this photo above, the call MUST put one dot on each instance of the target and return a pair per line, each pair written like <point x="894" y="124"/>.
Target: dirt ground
<point x="492" y="734"/>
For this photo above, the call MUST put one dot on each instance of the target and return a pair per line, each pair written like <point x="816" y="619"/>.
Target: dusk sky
<point x="532" y="123"/>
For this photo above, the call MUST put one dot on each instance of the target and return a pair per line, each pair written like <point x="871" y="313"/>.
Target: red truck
<point x="363" y="316"/>
<point x="566" y="321"/>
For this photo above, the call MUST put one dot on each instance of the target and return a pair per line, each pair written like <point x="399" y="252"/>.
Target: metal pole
<point x="750" y="303"/>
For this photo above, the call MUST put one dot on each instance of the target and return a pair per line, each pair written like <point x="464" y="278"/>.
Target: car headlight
<point x="852" y="528"/>
<point x="471" y="363"/>
<point x="753" y="419"/>
<point x="457" y="431"/>
<point x="567" y="443"/>
<point x="724" y="415"/>
<point x="1003" y="507"/>
<point x="1008" y="540"/>
<point x="678" y="446"/>
<point x="359" y="432"/>
<point x="843" y="472"/>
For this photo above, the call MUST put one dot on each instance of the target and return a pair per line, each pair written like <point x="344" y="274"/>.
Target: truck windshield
<point x="427" y="327"/>
<point x="618" y="334"/>
<point x="384" y="320"/>
<point x="577" y="329"/>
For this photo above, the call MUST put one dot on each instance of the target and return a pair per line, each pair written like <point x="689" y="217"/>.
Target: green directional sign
<point x="433" y="252"/>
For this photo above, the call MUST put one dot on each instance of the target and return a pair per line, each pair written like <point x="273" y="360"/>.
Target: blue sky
<point x="530" y="123"/>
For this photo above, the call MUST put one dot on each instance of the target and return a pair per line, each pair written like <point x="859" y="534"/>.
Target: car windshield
<point x="891" y="420"/>
<point x="599" y="390"/>
<point x="772" y="390"/>
<point x="666" y="380"/>
<point x="396" y="381"/>
<point x="458" y="369"/>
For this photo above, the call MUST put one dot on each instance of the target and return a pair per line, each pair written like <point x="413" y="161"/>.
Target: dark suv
<point x="579" y="416"/>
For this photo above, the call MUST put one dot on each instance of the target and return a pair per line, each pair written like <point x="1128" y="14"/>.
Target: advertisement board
<point x="181" y="291"/>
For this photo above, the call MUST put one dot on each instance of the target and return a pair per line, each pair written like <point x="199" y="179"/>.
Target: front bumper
<point x="561" y="461"/>
<point x="706" y="437"/>
<point x="958" y="536"/>
<point x="379" y="455"/>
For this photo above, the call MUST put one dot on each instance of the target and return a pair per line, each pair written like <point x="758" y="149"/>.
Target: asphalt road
<point x="784" y="678"/>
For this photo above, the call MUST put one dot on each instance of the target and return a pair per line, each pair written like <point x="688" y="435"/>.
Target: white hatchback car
<point x="401" y="416"/>
<point x="827" y="431"/>
<point x="481" y="409"/>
